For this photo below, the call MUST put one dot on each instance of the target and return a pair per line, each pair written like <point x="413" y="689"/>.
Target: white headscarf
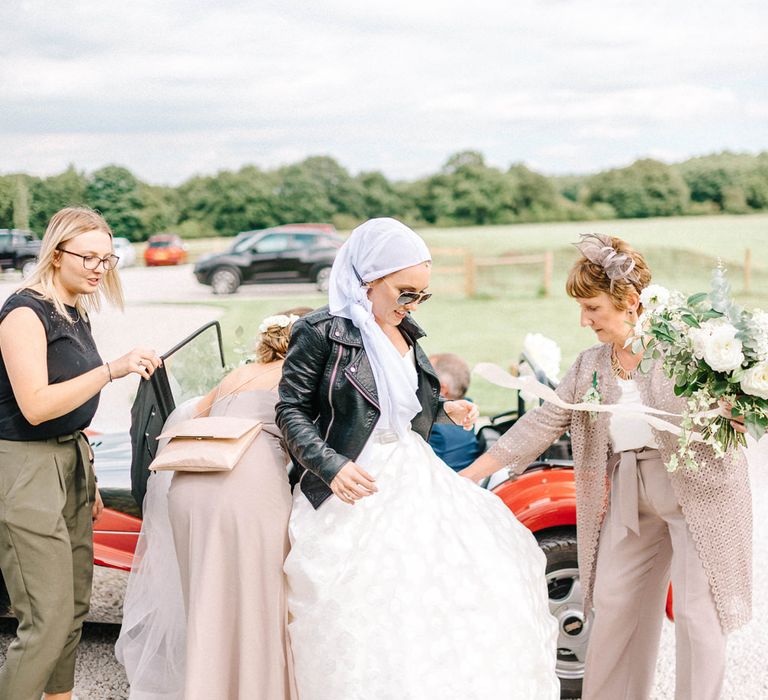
<point x="375" y="249"/>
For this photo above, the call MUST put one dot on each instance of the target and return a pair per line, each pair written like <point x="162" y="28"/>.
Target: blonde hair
<point x="273" y="342"/>
<point x="587" y="279"/>
<point x="65" y="225"/>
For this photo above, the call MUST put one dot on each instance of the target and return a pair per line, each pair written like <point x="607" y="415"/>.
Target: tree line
<point x="465" y="191"/>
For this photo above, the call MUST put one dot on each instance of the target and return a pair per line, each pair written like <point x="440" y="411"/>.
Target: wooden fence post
<point x="470" y="270"/>
<point x="548" y="265"/>
<point x="747" y="270"/>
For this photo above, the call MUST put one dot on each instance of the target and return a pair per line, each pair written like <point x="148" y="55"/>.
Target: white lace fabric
<point x="426" y="590"/>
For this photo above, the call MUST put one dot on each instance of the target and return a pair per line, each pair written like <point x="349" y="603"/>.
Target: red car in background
<point x="165" y="249"/>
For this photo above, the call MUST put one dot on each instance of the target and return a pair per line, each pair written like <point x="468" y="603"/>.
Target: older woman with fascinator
<point x="404" y="580"/>
<point x="638" y="524"/>
<point x="51" y="375"/>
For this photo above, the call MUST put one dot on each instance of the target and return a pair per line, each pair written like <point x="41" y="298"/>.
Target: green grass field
<point x="491" y="327"/>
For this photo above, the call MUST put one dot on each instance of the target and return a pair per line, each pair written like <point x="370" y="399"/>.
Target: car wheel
<point x="566" y="603"/>
<point x="5" y="601"/>
<point x="225" y="280"/>
<point x="323" y="278"/>
<point x="27" y="266"/>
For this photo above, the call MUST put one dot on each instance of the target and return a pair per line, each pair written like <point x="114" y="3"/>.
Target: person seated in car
<point x="457" y="447"/>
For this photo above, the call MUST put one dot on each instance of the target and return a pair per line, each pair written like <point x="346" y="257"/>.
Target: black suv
<point x="285" y="255"/>
<point x="18" y="250"/>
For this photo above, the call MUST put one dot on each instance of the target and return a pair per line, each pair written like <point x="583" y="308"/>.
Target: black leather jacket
<point x="328" y="404"/>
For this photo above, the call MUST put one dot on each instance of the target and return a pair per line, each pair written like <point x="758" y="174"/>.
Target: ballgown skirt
<point x="429" y="589"/>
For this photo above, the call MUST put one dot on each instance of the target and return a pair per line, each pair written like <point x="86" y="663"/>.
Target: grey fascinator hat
<point x="597" y="248"/>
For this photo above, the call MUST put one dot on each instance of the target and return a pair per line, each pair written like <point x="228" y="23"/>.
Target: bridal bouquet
<point x="717" y="354"/>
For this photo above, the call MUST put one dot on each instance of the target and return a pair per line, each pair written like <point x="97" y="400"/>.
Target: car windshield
<point x="196" y="367"/>
<point x="241" y="245"/>
<point x="161" y="244"/>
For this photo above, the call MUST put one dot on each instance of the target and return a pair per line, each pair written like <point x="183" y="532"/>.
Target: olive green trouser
<point x="46" y="557"/>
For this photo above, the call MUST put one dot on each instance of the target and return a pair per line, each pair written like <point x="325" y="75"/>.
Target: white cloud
<point x="176" y="87"/>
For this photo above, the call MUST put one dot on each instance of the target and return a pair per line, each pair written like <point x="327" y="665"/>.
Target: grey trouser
<point x="46" y="557"/>
<point x="631" y="581"/>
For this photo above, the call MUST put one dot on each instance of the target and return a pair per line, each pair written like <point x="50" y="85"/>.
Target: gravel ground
<point x="747" y="672"/>
<point x="100" y="677"/>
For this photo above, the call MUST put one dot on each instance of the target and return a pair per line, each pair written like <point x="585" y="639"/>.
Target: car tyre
<point x="323" y="278"/>
<point x="225" y="280"/>
<point x="566" y="603"/>
<point x="5" y="601"/>
<point x="27" y="266"/>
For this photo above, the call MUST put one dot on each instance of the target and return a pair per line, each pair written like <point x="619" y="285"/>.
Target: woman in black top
<point x="50" y="378"/>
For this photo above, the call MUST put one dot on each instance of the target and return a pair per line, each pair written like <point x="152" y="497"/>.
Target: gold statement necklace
<point x="618" y="369"/>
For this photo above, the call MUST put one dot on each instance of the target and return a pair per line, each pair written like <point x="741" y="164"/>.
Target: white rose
<point x="654" y="296"/>
<point x="699" y="337"/>
<point x="722" y="351"/>
<point x="755" y="381"/>
<point x="545" y="352"/>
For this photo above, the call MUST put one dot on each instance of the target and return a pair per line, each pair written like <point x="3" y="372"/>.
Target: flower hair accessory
<point x="597" y="248"/>
<point x="280" y="321"/>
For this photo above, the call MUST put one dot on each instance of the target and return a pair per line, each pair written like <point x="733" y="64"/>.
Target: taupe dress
<point x="231" y="535"/>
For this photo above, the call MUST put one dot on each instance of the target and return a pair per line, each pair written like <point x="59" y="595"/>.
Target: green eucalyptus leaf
<point x="696" y="298"/>
<point x="754" y="427"/>
<point x="712" y="313"/>
<point x="690" y="319"/>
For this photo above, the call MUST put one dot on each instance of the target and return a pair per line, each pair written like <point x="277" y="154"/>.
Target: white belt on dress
<point x="385" y="436"/>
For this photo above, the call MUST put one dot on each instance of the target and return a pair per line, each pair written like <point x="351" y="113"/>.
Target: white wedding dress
<point x="429" y="589"/>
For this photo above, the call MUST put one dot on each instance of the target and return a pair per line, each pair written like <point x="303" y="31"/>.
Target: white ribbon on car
<point x="496" y="375"/>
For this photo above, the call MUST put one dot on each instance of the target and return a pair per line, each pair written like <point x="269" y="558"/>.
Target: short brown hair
<point x="587" y="279"/>
<point x="452" y="371"/>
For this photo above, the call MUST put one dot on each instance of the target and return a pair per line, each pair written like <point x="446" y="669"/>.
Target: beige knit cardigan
<point x="715" y="498"/>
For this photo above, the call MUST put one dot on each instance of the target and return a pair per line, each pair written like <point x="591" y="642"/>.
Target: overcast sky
<point x="170" y="88"/>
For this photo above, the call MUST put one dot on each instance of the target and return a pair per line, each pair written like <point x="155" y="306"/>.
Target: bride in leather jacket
<point x="405" y="580"/>
<point x="328" y="386"/>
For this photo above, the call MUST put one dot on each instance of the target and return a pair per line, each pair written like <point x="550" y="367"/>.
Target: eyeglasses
<point x="92" y="262"/>
<point x="404" y="298"/>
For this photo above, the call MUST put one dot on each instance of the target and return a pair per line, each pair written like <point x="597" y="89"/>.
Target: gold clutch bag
<point x="206" y="444"/>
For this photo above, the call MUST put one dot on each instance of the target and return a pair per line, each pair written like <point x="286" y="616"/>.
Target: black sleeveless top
<point x="71" y="352"/>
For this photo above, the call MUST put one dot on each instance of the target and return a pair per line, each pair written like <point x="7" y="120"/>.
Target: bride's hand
<point x="352" y="483"/>
<point x="462" y="412"/>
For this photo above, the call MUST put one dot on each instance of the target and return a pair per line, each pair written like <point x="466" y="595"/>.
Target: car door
<point x="6" y="249"/>
<point x="268" y="257"/>
<point x="189" y="371"/>
<point x="303" y="255"/>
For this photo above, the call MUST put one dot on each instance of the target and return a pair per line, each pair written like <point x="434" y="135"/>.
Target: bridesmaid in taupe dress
<point x="231" y="537"/>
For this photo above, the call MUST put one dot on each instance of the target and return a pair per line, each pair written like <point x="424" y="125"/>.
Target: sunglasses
<point x="404" y="298"/>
